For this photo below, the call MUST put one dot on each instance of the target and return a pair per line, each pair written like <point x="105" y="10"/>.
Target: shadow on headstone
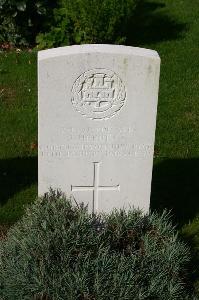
<point x="150" y="24"/>
<point x="175" y="186"/>
<point x="15" y="175"/>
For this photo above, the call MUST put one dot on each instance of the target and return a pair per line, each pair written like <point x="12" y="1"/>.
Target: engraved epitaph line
<point x="95" y="188"/>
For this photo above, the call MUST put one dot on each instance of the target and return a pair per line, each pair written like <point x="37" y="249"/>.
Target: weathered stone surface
<point x="97" y="116"/>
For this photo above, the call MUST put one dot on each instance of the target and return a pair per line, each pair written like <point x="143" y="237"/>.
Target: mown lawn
<point x="171" y="28"/>
<point x="18" y="133"/>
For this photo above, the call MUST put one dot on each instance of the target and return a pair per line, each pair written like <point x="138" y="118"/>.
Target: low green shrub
<point x="22" y="20"/>
<point x="88" y="21"/>
<point x="59" y="251"/>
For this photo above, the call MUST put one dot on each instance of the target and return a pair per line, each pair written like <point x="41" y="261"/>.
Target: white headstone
<point x="97" y="118"/>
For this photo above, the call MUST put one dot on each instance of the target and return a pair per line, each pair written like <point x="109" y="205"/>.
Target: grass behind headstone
<point x="18" y="133"/>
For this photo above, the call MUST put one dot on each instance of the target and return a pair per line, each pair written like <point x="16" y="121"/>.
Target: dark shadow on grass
<point x="150" y="24"/>
<point x="15" y="175"/>
<point x="175" y="186"/>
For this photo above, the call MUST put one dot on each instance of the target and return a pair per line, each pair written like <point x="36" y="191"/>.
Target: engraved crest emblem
<point x="98" y="94"/>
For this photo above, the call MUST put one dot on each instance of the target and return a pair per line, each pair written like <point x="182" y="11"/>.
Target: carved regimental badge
<point x="98" y="94"/>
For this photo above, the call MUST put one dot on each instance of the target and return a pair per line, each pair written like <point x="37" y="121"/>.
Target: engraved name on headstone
<point x="97" y="117"/>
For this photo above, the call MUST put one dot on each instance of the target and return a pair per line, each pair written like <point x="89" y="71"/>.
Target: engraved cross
<point x="95" y="188"/>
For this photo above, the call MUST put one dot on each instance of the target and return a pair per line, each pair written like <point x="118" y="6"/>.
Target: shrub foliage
<point x="88" y="21"/>
<point x="59" y="251"/>
<point x="21" y="20"/>
<point x="64" y="22"/>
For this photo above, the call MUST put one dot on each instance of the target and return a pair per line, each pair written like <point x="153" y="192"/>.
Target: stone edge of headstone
<point x="97" y="48"/>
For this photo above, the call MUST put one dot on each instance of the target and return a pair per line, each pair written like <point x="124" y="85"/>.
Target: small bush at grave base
<point x="59" y="251"/>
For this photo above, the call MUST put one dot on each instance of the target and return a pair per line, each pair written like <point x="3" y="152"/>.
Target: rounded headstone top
<point x="97" y="48"/>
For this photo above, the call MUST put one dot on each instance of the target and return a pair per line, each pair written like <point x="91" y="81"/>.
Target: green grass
<point x="190" y="233"/>
<point x="18" y="134"/>
<point x="171" y="28"/>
